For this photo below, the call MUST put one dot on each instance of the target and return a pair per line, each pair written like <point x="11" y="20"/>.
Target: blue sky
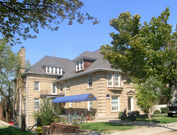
<point x="72" y="40"/>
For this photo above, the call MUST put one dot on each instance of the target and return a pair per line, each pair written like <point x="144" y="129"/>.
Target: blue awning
<point x="75" y="98"/>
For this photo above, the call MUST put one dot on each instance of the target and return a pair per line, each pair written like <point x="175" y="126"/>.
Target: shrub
<point x="156" y="112"/>
<point x="90" y="116"/>
<point x="163" y="110"/>
<point x="47" y="112"/>
<point x="56" y="120"/>
<point x="137" y="113"/>
<point x="120" y="114"/>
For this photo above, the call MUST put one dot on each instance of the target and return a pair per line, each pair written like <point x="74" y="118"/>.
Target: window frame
<point x="38" y="85"/>
<point x="35" y="99"/>
<point x="52" y="88"/>
<point x="110" y="79"/>
<point x="61" y="87"/>
<point x="118" y="101"/>
<point x="71" y="104"/>
<point x="88" y="82"/>
<point x="79" y="65"/>
<point x="118" y="80"/>
<point x="89" y="105"/>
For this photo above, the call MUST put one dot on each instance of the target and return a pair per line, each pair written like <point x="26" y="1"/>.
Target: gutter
<point x="88" y="72"/>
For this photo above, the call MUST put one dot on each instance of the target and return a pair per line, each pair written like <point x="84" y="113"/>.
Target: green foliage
<point x="147" y="93"/>
<point x="27" y="64"/>
<point x="13" y="131"/>
<point x="47" y="112"/>
<point x="9" y="65"/>
<point x="144" y="50"/>
<point x="56" y="120"/>
<point x="120" y="114"/>
<point x="163" y="110"/>
<point x="19" y="17"/>
<point x="156" y="112"/>
<point x="137" y="113"/>
<point x="90" y="116"/>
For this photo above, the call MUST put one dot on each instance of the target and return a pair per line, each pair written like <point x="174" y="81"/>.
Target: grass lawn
<point x="163" y="119"/>
<point x="105" y="126"/>
<point x="13" y="131"/>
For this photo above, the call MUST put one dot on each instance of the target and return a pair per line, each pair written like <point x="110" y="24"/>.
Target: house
<point x="54" y="77"/>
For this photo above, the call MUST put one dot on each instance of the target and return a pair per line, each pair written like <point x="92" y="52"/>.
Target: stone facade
<point x="110" y="99"/>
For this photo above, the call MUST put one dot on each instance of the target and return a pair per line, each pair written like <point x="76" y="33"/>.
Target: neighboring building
<point x="88" y="73"/>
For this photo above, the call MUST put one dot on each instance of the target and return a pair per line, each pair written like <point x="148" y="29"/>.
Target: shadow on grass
<point x="105" y="126"/>
<point x="13" y="131"/>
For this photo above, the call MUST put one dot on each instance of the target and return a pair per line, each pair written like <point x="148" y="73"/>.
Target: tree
<point x="148" y="93"/>
<point x="27" y="64"/>
<point x="8" y="67"/>
<point x="144" y="50"/>
<point x="47" y="112"/>
<point x="18" y="17"/>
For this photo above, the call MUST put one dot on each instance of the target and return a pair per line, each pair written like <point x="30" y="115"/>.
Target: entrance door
<point x="130" y="103"/>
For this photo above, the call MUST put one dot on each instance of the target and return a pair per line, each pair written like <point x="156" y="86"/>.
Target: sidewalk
<point x="142" y="128"/>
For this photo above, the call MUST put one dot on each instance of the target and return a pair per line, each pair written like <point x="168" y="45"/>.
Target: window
<point x="48" y="71"/>
<point x="36" y="104"/>
<point x="61" y="87"/>
<point x="36" y="86"/>
<point x="90" y="105"/>
<point x="116" y="79"/>
<point x="54" y="70"/>
<point x="110" y="79"/>
<point x="71" y="104"/>
<point x="60" y="70"/>
<point x="68" y="84"/>
<point x="54" y="89"/>
<point x="89" y="81"/>
<point x="79" y="65"/>
<point x="115" y="103"/>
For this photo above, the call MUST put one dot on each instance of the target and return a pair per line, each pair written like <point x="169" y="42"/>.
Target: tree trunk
<point x="148" y="112"/>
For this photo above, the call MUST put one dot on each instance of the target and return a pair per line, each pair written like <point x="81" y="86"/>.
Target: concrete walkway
<point x="143" y="128"/>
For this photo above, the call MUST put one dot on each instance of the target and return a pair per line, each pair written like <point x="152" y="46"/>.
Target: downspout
<point x="27" y="102"/>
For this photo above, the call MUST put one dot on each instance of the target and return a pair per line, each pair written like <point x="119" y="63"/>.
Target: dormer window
<point x="54" y="70"/>
<point x="79" y="65"/>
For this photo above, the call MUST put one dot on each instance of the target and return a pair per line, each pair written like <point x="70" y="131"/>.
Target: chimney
<point x="21" y="53"/>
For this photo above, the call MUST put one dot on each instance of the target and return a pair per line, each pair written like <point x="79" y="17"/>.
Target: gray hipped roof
<point x="69" y="67"/>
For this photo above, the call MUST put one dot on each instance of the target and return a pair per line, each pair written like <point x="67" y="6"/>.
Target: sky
<point x="72" y="40"/>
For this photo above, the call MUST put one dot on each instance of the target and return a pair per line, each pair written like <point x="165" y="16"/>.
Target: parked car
<point x="172" y="109"/>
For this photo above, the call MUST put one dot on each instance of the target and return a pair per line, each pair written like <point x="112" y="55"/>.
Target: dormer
<point x="51" y="69"/>
<point x="83" y="63"/>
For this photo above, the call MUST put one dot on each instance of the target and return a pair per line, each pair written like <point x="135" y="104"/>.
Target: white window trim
<point x="118" y="80"/>
<point x="111" y="80"/>
<point x="89" y="105"/>
<point x="56" y="70"/>
<point x="80" y="61"/>
<point x="34" y="86"/>
<point x="52" y="88"/>
<point x="39" y="104"/>
<point x="71" y="104"/>
<point x="132" y="108"/>
<point x="118" y="104"/>
<point x="88" y="81"/>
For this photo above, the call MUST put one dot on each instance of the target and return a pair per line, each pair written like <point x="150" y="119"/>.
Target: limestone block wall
<point x="45" y="87"/>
